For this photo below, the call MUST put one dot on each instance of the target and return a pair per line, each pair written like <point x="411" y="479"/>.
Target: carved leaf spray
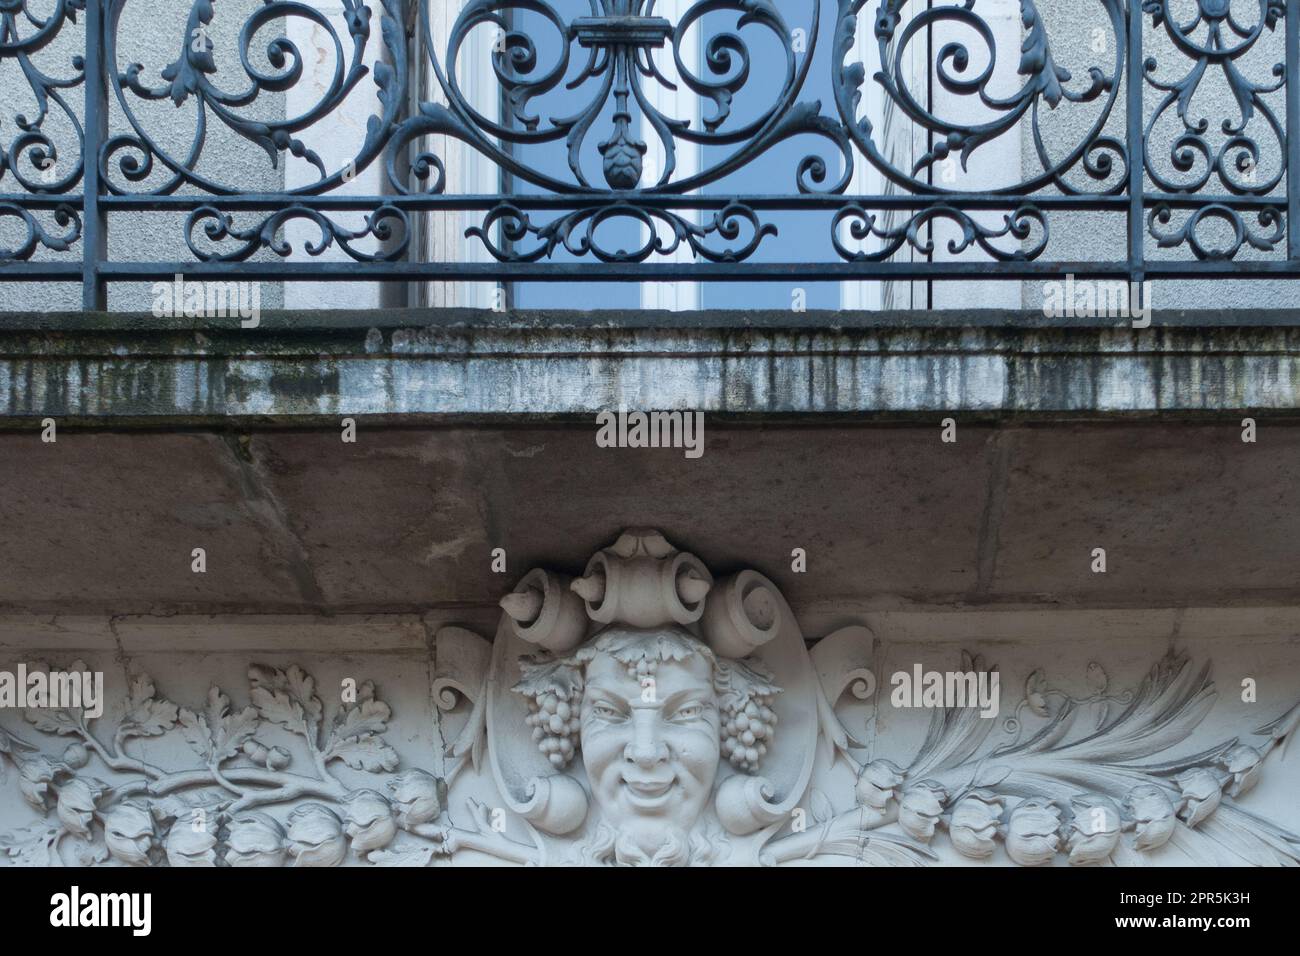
<point x="644" y="713"/>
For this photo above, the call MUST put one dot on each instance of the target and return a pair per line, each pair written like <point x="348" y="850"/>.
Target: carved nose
<point x="646" y="748"/>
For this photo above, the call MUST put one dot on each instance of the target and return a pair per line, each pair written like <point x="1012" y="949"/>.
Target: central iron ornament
<point x="623" y="37"/>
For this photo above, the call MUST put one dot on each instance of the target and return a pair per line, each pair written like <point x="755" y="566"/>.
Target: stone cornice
<point x="468" y="365"/>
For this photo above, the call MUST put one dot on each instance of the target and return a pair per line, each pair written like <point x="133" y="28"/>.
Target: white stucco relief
<point x="646" y="713"/>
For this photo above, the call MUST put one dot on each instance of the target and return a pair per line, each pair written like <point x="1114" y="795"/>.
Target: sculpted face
<point x="651" y="750"/>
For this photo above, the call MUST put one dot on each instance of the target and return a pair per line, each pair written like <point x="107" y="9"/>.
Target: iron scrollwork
<point x="584" y="108"/>
<point x="1213" y="40"/>
<point x="31" y="161"/>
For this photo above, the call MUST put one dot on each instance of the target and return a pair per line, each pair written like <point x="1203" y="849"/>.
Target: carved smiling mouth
<point x="648" y="793"/>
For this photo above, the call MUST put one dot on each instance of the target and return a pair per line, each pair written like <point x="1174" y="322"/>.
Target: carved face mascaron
<point x="650" y="741"/>
<point x="653" y="712"/>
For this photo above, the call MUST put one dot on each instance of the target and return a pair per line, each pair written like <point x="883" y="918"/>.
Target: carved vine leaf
<point x="541" y="676"/>
<point x="146" y="714"/>
<point x="629" y="649"/>
<point x="52" y="721"/>
<point x="217" y="734"/>
<point x="8" y="745"/>
<point x="32" y="845"/>
<point x="355" y="738"/>
<point x="287" y="698"/>
<point x="745" y="682"/>
<point x="64" y="721"/>
<point x="366" y="753"/>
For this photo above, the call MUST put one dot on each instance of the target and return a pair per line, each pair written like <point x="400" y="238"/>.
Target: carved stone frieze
<point x="648" y="713"/>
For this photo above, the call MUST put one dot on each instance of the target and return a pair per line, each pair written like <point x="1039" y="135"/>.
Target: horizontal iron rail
<point x="789" y="203"/>
<point x="271" y="271"/>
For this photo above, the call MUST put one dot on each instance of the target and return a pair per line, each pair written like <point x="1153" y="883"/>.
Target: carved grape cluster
<point x="555" y="723"/>
<point x="748" y="724"/>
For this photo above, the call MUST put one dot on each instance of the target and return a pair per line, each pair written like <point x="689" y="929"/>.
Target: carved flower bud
<point x="190" y="844"/>
<point x="370" y="822"/>
<point x="418" y="796"/>
<point x="1094" y="830"/>
<point x="316" y="836"/>
<point x="1033" y="832"/>
<point x="76" y="804"/>
<point x="76" y="756"/>
<point x="34" y="777"/>
<point x="878" y="782"/>
<point x="974" y="824"/>
<point x="1153" y="816"/>
<point x="129" y="833"/>
<point x="1036" y="694"/>
<point x="1202" y="790"/>
<point x="1243" y="762"/>
<point x="255" y="839"/>
<point x="272" y="758"/>
<point x="255" y="752"/>
<point x="920" y="808"/>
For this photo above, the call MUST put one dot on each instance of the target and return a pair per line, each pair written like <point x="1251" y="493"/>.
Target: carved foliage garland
<point x="208" y="813"/>
<point x="1073" y="789"/>
<point x="646" y="713"/>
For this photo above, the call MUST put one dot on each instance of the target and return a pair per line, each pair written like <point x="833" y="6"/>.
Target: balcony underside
<point x="893" y="521"/>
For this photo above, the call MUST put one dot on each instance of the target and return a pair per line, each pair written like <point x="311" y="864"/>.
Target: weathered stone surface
<point x="1180" y="511"/>
<point x="113" y="520"/>
<point x="480" y="366"/>
<point x="891" y="518"/>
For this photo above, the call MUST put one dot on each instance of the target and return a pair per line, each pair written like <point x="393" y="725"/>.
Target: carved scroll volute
<point x="742" y="614"/>
<point x="553" y="802"/>
<point x="747" y="803"/>
<point x="645" y="587"/>
<point x="543" y="610"/>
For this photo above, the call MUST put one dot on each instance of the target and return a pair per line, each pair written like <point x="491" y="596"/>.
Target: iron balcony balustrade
<point x="1234" y="177"/>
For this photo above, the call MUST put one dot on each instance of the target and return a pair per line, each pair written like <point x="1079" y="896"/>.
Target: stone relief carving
<point x="645" y="713"/>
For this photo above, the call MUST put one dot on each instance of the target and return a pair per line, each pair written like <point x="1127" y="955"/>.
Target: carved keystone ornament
<point x="646" y="713"/>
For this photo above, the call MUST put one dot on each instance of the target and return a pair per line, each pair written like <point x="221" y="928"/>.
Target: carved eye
<point x="606" y="712"/>
<point x="689" y="712"/>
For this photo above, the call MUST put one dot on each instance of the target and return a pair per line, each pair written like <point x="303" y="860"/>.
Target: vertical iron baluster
<point x="94" y="292"/>
<point x="1136" y="147"/>
<point x="1293" y="129"/>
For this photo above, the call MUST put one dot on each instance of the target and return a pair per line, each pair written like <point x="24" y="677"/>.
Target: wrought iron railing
<point x="1219" y="195"/>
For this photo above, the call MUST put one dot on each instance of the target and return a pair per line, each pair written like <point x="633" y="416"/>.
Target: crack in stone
<point x="266" y="509"/>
